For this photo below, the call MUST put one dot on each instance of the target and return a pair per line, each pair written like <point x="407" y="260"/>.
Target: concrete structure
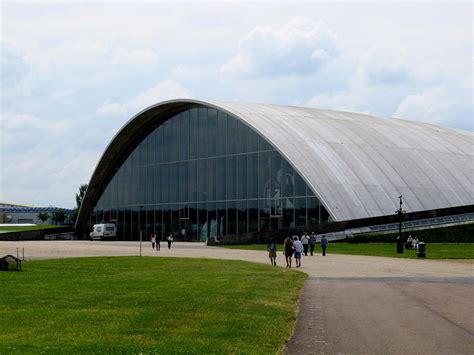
<point x="311" y="166"/>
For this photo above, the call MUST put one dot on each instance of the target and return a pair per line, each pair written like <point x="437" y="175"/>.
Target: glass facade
<point x="204" y="174"/>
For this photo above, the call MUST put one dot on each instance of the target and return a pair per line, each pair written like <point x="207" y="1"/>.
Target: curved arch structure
<point x="356" y="164"/>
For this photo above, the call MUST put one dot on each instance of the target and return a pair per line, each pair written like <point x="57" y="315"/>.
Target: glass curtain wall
<point x="204" y="174"/>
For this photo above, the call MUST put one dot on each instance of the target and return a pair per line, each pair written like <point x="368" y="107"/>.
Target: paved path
<point x="350" y="304"/>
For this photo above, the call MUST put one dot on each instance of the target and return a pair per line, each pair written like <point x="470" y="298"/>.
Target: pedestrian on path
<point x="298" y="250"/>
<point x="170" y="240"/>
<point x="305" y="242"/>
<point x="312" y="243"/>
<point x="158" y="246"/>
<point x="324" y="244"/>
<point x="288" y="250"/>
<point x="272" y="251"/>
<point x="153" y="241"/>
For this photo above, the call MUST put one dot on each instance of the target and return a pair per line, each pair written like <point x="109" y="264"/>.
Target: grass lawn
<point x="433" y="250"/>
<point x="147" y="305"/>
<point x="27" y="228"/>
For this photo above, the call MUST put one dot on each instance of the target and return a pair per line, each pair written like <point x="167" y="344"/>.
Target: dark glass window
<point x="183" y="181"/>
<point x="212" y="132"/>
<point x="242" y="134"/>
<point x="242" y="217"/>
<point x="252" y="175"/>
<point x="312" y="205"/>
<point x="194" y="133"/>
<point x="221" y="133"/>
<point x="264" y="175"/>
<point x="151" y="148"/>
<point x="300" y="211"/>
<point x="252" y="206"/>
<point x="165" y="182"/>
<point x="221" y="218"/>
<point x="202" y="180"/>
<point x="276" y="175"/>
<point x="288" y="220"/>
<point x="184" y="130"/>
<point x="159" y="145"/>
<point x="300" y="186"/>
<point x="167" y="141"/>
<point x="231" y="217"/>
<point x="241" y="176"/>
<point x="220" y="178"/>
<point x="288" y="183"/>
<point x="193" y="180"/>
<point x="231" y="177"/>
<point x="252" y="141"/>
<point x="211" y="179"/>
<point x="264" y="209"/>
<point x="203" y="132"/>
<point x="231" y="135"/>
<point x="175" y="139"/>
<point x="157" y="183"/>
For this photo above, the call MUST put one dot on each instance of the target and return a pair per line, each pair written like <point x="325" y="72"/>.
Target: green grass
<point x="433" y="250"/>
<point x="147" y="305"/>
<point x="27" y="228"/>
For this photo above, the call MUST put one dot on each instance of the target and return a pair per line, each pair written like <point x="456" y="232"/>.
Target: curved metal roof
<point x="355" y="163"/>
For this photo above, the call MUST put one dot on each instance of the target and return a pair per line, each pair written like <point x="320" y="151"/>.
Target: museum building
<point x="204" y="170"/>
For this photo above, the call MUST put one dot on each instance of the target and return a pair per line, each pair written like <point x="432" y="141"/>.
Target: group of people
<point x="296" y="247"/>
<point x="412" y="242"/>
<point x="155" y="242"/>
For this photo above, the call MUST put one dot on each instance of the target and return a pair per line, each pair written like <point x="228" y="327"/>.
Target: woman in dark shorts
<point x="288" y="250"/>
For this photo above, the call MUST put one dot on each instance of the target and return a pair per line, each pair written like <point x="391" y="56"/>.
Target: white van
<point x="103" y="231"/>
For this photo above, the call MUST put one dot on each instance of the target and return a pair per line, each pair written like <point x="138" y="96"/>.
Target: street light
<point x="400" y="212"/>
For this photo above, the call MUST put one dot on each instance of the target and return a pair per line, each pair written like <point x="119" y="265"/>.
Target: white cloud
<point x="438" y="105"/>
<point x="167" y="89"/>
<point x="299" y="47"/>
<point x="385" y="64"/>
<point x="121" y="56"/>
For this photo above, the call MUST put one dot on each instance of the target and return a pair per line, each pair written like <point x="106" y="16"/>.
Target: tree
<point x="80" y="195"/>
<point x="79" y="198"/>
<point x="43" y="216"/>
<point x="59" y="216"/>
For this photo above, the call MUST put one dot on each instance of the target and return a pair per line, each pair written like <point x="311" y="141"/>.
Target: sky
<point x="72" y="73"/>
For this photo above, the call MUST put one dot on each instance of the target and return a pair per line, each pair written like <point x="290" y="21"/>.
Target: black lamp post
<point x="400" y="212"/>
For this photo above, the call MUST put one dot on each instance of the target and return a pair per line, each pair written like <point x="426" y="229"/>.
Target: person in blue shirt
<point x="272" y="250"/>
<point x="324" y="244"/>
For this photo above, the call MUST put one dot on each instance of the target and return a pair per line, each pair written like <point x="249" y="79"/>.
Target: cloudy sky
<point x="73" y="73"/>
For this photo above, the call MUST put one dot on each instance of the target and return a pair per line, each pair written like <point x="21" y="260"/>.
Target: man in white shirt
<point x="298" y="250"/>
<point x="305" y="242"/>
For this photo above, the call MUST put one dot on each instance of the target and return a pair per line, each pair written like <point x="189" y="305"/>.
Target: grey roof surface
<point x="355" y="163"/>
<point x="359" y="164"/>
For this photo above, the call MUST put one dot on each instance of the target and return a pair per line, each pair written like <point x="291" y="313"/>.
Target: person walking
<point x="312" y="243"/>
<point x="153" y="241"/>
<point x="170" y="240"/>
<point x="305" y="242"/>
<point x="288" y="251"/>
<point x="324" y="244"/>
<point x="158" y="246"/>
<point x="298" y="250"/>
<point x="272" y="251"/>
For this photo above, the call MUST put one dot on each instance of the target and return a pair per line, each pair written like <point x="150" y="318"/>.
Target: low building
<point x="20" y="214"/>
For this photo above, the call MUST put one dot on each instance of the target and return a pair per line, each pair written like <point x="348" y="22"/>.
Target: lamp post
<point x="400" y="212"/>
<point x="140" y="228"/>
